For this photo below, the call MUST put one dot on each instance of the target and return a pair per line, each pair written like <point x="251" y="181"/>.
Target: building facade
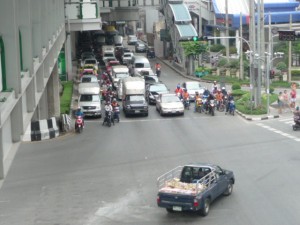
<point x="32" y="34"/>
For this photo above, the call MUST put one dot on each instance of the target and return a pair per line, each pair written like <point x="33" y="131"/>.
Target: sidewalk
<point x="273" y="108"/>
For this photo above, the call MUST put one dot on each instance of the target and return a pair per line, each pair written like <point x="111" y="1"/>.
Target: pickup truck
<point x="193" y="187"/>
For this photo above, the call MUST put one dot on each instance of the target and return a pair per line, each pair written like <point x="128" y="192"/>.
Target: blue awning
<point x="180" y="12"/>
<point x="186" y="31"/>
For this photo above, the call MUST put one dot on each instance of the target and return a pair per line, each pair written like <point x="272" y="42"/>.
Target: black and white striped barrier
<point x="66" y="122"/>
<point x="41" y="130"/>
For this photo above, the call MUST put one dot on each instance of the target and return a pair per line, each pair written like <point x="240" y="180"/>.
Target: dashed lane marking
<point x="278" y="132"/>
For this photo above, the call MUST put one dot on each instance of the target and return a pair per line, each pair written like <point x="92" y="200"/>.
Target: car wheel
<point x="146" y="114"/>
<point x="205" y="210"/>
<point x="229" y="189"/>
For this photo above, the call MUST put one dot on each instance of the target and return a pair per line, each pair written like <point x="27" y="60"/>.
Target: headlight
<point x="98" y="107"/>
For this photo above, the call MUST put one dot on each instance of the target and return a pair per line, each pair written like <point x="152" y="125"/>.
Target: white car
<point x="90" y="61"/>
<point x="192" y="87"/>
<point x="109" y="55"/>
<point x="169" y="104"/>
<point x="127" y="57"/>
<point x="88" y="79"/>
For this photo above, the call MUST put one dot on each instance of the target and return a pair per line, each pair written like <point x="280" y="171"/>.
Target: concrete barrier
<point x="41" y="130"/>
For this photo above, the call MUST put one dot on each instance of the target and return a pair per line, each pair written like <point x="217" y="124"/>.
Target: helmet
<point x="178" y="85"/>
<point x="223" y="88"/>
<point x="184" y="89"/>
<point x="78" y="108"/>
<point x="215" y="82"/>
<point x="114" y="99"/>
<point x="197" y="93"/>
<point x="108" y="102"/>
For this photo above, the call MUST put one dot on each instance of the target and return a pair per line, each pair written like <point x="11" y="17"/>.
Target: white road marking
<point x="278" y="132"/>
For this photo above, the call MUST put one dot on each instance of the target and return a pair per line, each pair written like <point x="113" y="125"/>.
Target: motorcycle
<point x="79" y="124"/>
<point x="158" y="72"/>
<point x="211" y="107"/>
<point x="186" y="103"/>
<point x="220" y="106"/>
<point x="231" y="107"/>
<point x="108" y="119"/>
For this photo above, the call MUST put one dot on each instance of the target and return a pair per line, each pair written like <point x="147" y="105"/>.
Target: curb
<point x="256" y="118"/>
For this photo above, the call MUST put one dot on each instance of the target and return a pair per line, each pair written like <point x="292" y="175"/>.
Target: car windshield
<point x="89" y="98"/>
<point x="108" y="55"/>
<point x="170" y="99"/>
<point x="136" y="98"/>
<point x="193" y="86"/>
<point x="86" y="79"/>
<point x="89" y="67"/>
<point x="122" y="75"/>
<point x="142" y="65"/>
<point x="90" y="61"/>
<point x="158" y="88"/>
<point x="127" y="55"/>
<point x="88" y="72"/>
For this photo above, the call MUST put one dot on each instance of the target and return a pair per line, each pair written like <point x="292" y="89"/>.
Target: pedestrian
<point x="280" y="102"/>
<point x="285" y="97"/>
<point x="293" y="94"/>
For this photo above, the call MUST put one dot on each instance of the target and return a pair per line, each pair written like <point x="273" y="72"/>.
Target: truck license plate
<point x="136" y="111"/>
<point x="177" y="208"/>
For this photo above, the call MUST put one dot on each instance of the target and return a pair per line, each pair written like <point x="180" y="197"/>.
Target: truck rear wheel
<point x="205" y="210"/>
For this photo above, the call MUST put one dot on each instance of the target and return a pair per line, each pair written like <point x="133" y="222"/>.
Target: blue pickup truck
<point x="193" y="187"/>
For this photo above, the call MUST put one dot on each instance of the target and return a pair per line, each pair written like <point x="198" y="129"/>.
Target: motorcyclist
<point x="198" y="101"/>
<point x="219" y="98"/>
<point x="116" y="109"/>
<point x="209" y="98"/>
<point x="79" y="113"/>
<point x="230" y="98"/>
<point x="157" y="69"/>
<point x="206" y="93"/>
<point x="214" y="87"/>
<point x="186" y="98"/>
<point x="179" y="91"/>
<point x="224" y="92"/>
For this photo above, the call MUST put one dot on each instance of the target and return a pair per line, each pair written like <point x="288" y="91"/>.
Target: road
<point x="108" y="176"/>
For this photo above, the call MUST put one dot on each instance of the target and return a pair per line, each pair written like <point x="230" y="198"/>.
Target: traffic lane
<point x="112" y="172"/>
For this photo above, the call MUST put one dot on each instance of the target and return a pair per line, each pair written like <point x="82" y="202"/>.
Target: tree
<point x="194" y="47"/>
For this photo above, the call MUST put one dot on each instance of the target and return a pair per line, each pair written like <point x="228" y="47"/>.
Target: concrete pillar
<point x="10" y="36"/>
<point x="1" y="156"/>
<point x="30" y="96"/>
<point x="43" y="107"/>
<point x="36" y="14"/>
<point x="53" y="98"/>
<point x="237" y="41"/>
<point x="223" y="34"/>
<point x="68" y="54"/>
<point x="24" y="21"/>
<point x="17" y="122"/>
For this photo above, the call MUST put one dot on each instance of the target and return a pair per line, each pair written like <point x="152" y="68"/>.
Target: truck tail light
<point x="196" y="203"/>
<point x="158" y="199"/>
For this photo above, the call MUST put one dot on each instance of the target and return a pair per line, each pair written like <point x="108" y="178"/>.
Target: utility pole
<point x="290" y="54"/>
<point x="241" y="49"/>
<point x="258" y="51"/>
<point x="227" y="30"/>
<point x="252" y="46"/>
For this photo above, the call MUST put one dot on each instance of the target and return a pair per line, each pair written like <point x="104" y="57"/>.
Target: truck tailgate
<point x="167" y="200"/>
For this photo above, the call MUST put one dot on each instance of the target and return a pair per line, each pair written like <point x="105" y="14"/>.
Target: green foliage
<point x="236" y="86"/>
<point x="232" y="50"/>
<point x="272" y="89"/>
<point x="283" y="84"/>
<point x="234" y="63"/>
<point x="222" y="62"/>
<point x="295" y="74"/>
<point x="238" y="93"/>
<point x="194" y="47"/>
<point x="66" y="97"/>
<point x="245" y="106"/>
<point x="228" y="80"/>
<point x="216" y="48"/>
<point x="281" y="66"/>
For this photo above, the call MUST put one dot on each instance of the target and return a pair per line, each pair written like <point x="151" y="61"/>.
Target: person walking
<point x="293" y="95"/>
<point x="285" y="97"/>
<point x="280" y="102"/>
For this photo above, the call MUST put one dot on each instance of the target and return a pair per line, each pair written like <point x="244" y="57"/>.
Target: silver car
<point x="169" y="104"/>
<point x="192" y="87"/>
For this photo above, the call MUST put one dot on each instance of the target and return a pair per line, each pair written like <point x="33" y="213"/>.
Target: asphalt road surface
<point x="107" y="176"/>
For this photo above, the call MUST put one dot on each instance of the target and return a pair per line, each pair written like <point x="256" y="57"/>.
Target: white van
<point x="118" y="40"/>
<point x="90" y="99"/>
<point x="119" y="72"/>
<point x="140" y="63"/>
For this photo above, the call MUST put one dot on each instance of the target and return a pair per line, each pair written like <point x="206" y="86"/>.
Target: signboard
<point x="193" y="6"/>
